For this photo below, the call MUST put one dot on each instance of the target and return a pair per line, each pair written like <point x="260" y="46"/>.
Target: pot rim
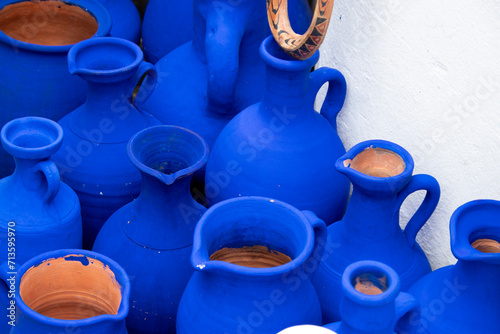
<point x="289" y="64"/>
<point x="93" y="7"/>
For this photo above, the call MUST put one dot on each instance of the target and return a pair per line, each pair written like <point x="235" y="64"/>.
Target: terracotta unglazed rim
<point x="93" y="7"/>
<point x="200" y="258"/>
<point x="120" y="275"/>
<point x="36" y="123"/>
<point x="341" y="166"/>
<point x="361" y="267"/>
<point x="168" y="130"/>
<point x="463" y="235"/>
<point x="270" y="45"/>
<point x="96" y="41"/>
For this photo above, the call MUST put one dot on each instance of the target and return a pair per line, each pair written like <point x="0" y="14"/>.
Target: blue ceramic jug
<point x="126" y="19"/>
<point x="253" y="257"/>
<point x="35" y="78"/>
<point x="465" y="297"/>
<point x="381" y="175"/>
<point x="71" y="291"/>
<point x="152" y="236"/>
<point x="38" y="212"/>
<point x="168" y="24"/>
<point x="372" y="303"/>
<point x="93" y="158"/>
<point x="281" y="147"/>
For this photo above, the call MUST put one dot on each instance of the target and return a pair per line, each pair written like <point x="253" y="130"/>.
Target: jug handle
<point x="320" y="235"/>
<point x="51" y="174"/>
<point x="335" y="96"/>
<point x="429" y="204"/>
<point x="408" y="314"/>
<point x="148" y="84"/>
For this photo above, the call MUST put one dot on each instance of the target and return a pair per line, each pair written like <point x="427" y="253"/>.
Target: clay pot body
<point x="126" y="19"/>
<point x="464" y="298"/>
<point x="381" y="174"/>
<point x="282" y="148"/>
<point x="169" y="24"/>
<point x="93" y="158"/>
<point x="372" y="303"/>
<point x="35" y="38"/>
<point x="260" y="295"/>
<point x="156" y="230"/>
<point x="74" y="290"/>
<point x="38" y="213"/>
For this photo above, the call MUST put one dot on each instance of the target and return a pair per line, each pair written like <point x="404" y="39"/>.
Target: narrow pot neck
<point x="27" y="174"/>
<point x="478" y="276"/>
<point x="360" y="319"/>
<point x="108" y="99"/>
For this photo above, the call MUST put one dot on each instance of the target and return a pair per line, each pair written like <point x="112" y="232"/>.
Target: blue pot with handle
<point x="381" y="173"/>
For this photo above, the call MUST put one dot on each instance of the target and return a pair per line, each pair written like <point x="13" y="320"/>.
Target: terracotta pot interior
<point x="487" y="245"/>
<point x="378" y="162"/>
<point x="251" y="256"/>
<point x="73" y="287"/>
<point x="370" y="283"/>
<point x="47" y="22"/>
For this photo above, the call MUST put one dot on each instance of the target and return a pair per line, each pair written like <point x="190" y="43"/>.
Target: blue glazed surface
<point x="370" y="228"/>
<point x="282" y="148"/>
<point x="152" y="236"/>
<point x="222" y="297"/>
<point x="386" y="313"/>
<point x="125" y="18"/>
<point x="463" y="298"/>
<point x="35" y="78"/>
<point x="38" y="213"/>
<point x="31" y="322"/>
<point x="169" y="24"/>
<point x="93" y="159"/>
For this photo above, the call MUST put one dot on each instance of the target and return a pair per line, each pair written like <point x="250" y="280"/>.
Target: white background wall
<point x="424" y="74"/>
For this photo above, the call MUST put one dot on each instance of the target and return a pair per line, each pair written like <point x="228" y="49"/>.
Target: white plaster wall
<point x="424" y="74"/>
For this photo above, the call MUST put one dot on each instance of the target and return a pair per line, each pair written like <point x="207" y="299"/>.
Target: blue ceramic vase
<point x="71" y="291"/>
<point x="168" y="24"/>
<point x="38" y="212"/>
<point x="126" y="19"/>
<point x="241" y="283"/>
<point x="281" y="147"/>
<point x="93" y="158"/>
<point x="381" y="175"/>
<point x="464" y="298"/>
<point x="373" y="304"/>
<point x="35" y="78"/>
<point x="152" y="237"/>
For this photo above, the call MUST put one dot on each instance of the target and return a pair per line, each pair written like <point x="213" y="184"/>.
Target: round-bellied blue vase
<point x="71" y="291"/>
<point x="281" y="147"/>
<point x="93" y="157"/>
<point x="152" y="237"/>
<point x="126" y="19"/>
<point x="35" y="78"/>
<point x="381" y="175"/>
<point x="225" y="297"/>
<point x="373" y="304"/>
<point x="38" y="212"/>
<point x="464" y="298"/>
<point x="169" y="24"/>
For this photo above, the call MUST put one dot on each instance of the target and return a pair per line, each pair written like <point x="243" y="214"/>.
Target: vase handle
<point x="424" y="212"/>
<point x="408" y="314"/>
<point x="51" y="174"/>
<point x="335" y="96"/>
<point x="148" y="84"/>
<point x="320" y="235"/>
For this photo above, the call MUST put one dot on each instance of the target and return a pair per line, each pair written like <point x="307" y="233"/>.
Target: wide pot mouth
<point x="167" y="152"/>
<point x="475" y="231"/>
<point x="31" y="137"/>
<point x="273" y="55"/>
<point x="258" y="236"/>
<point x="73" y="285"/>
<point x="51" y="25"/>
<point x="370" y="283"/>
